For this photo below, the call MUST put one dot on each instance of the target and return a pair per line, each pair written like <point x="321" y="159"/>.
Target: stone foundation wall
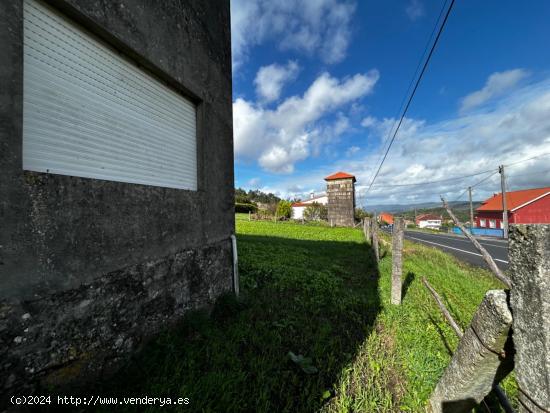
<point x="59" y="338"/>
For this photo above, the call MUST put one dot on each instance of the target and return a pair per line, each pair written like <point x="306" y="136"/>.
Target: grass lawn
<point x="313" y="330"/>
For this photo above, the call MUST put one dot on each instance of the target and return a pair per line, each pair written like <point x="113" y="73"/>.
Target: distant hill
<point x="460" y="208"/>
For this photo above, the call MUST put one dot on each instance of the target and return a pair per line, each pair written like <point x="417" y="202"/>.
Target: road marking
<point x="458" y="238"/>
<point x="457" y="249"/>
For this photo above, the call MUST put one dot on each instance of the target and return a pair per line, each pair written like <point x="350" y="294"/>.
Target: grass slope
<point x="313" y="330"/>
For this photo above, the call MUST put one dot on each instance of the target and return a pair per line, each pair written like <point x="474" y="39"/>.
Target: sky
<point x="318" y="86"/>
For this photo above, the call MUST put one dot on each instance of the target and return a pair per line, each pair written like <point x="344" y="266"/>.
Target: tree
<point x="360" y="213"/>
<point x="316" y="212"/>
<point x="255" y="196"/>
<point x="241" y="197"/>
<point x="284" y="209"/>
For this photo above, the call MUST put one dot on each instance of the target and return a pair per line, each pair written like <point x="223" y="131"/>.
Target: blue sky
<point x="317" y="84"/>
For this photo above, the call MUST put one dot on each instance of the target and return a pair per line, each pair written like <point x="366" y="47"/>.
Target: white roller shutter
<point x="89" y="112"/>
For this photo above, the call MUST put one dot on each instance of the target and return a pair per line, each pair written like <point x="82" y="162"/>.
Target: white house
<point x="298" y="208"/>
<point x="428" y="221"/>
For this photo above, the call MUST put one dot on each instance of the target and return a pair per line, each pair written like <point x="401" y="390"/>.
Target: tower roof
<point x="340" y="175"/>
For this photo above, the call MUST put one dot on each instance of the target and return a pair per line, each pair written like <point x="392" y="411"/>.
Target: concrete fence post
<point x="236" y="283"/>
<point x="375" y="239"/>
<point x="397" y="260"/>
<point x="529" y="256"/>
<point x="366" y="228"/>
<point x="483" y="358"/>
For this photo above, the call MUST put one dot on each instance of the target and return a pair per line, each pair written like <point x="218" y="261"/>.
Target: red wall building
<point x="529" y="206"/>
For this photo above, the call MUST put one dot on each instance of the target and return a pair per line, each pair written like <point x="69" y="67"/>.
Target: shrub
<point x="284" y="209"/>
<point x="316" y="212"/>
<point x="246" y="208"/>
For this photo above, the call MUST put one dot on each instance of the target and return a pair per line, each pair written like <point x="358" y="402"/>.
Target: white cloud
<point x="368" y="121"/>
<point x="293" y="131"/>
<point x="415" y="10"/>
<point x="253" y="183"/>
<point x="352" y="150"/>
<point x="514" y="128"/>
<point x="496" y="85"/>
<point x="271" y="79"/>
<point x="385" y="127"/>
<point x="320" y="27"/>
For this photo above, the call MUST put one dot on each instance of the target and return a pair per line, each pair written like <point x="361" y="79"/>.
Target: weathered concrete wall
<point x="341" y="202"/>
<point x="68" y="334"/>
<point x="530" y="302"/>
<point x="72" y="249"/>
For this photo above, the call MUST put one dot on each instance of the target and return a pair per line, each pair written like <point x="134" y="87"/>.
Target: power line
<point x="426" y="192"/>
<point x="460" y="196"/>
<point x="528" y="159"/>
<point x="413" y="92"/>
<point x="476" y="184"/>
<point x="456" y="178"/>
<point x="529" y="173"/>
<point x="363" y="195"/>
<point x="484" y="179"/>
<point x="412" y="81"/>
<point x="513" y="176"/>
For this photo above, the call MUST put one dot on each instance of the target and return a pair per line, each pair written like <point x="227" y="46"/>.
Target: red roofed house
<point x="386" y="217"/>
<point x="428" y="221"/>
<point x="298" y="208"/>
<point x="528" y="206"/>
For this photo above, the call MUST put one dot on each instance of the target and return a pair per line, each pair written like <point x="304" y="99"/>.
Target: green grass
<point x="316" y="292"/>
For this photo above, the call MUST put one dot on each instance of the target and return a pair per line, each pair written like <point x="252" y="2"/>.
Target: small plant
<point x="284" y="209"/>
<point x="316" y="212"/>
<point x="305" y="363"/>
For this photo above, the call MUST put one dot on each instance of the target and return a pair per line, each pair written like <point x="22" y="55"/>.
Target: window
<point x="89" y="112"/>
<point x="482" y="223"/>
<point x="492" y="223"/>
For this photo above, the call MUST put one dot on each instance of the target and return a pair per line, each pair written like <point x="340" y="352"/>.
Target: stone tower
<point x="341" y="199"/>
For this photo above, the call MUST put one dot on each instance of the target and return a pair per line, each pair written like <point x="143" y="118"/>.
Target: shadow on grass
<point x="409" y="278"/>
<point x="316" y="299"/>
<point x="442" y="335"/>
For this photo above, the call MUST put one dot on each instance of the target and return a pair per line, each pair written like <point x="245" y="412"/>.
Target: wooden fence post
<point x="397" y="260"/>
<point x="529" y="255"/>
<point x="480" y="360"/>
<point x="375" y="239"/>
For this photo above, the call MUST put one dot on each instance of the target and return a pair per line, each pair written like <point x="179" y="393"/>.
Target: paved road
<point x="462" y="248"/>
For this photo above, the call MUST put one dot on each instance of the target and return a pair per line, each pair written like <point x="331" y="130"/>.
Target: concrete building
<point x="116" y="192"/>
<point x="298" y="208"/>
<point x="341" y="199"/>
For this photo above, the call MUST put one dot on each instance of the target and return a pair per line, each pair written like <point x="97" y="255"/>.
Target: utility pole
<point x="504" y="205"/>
<point x="471" y="210"/>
